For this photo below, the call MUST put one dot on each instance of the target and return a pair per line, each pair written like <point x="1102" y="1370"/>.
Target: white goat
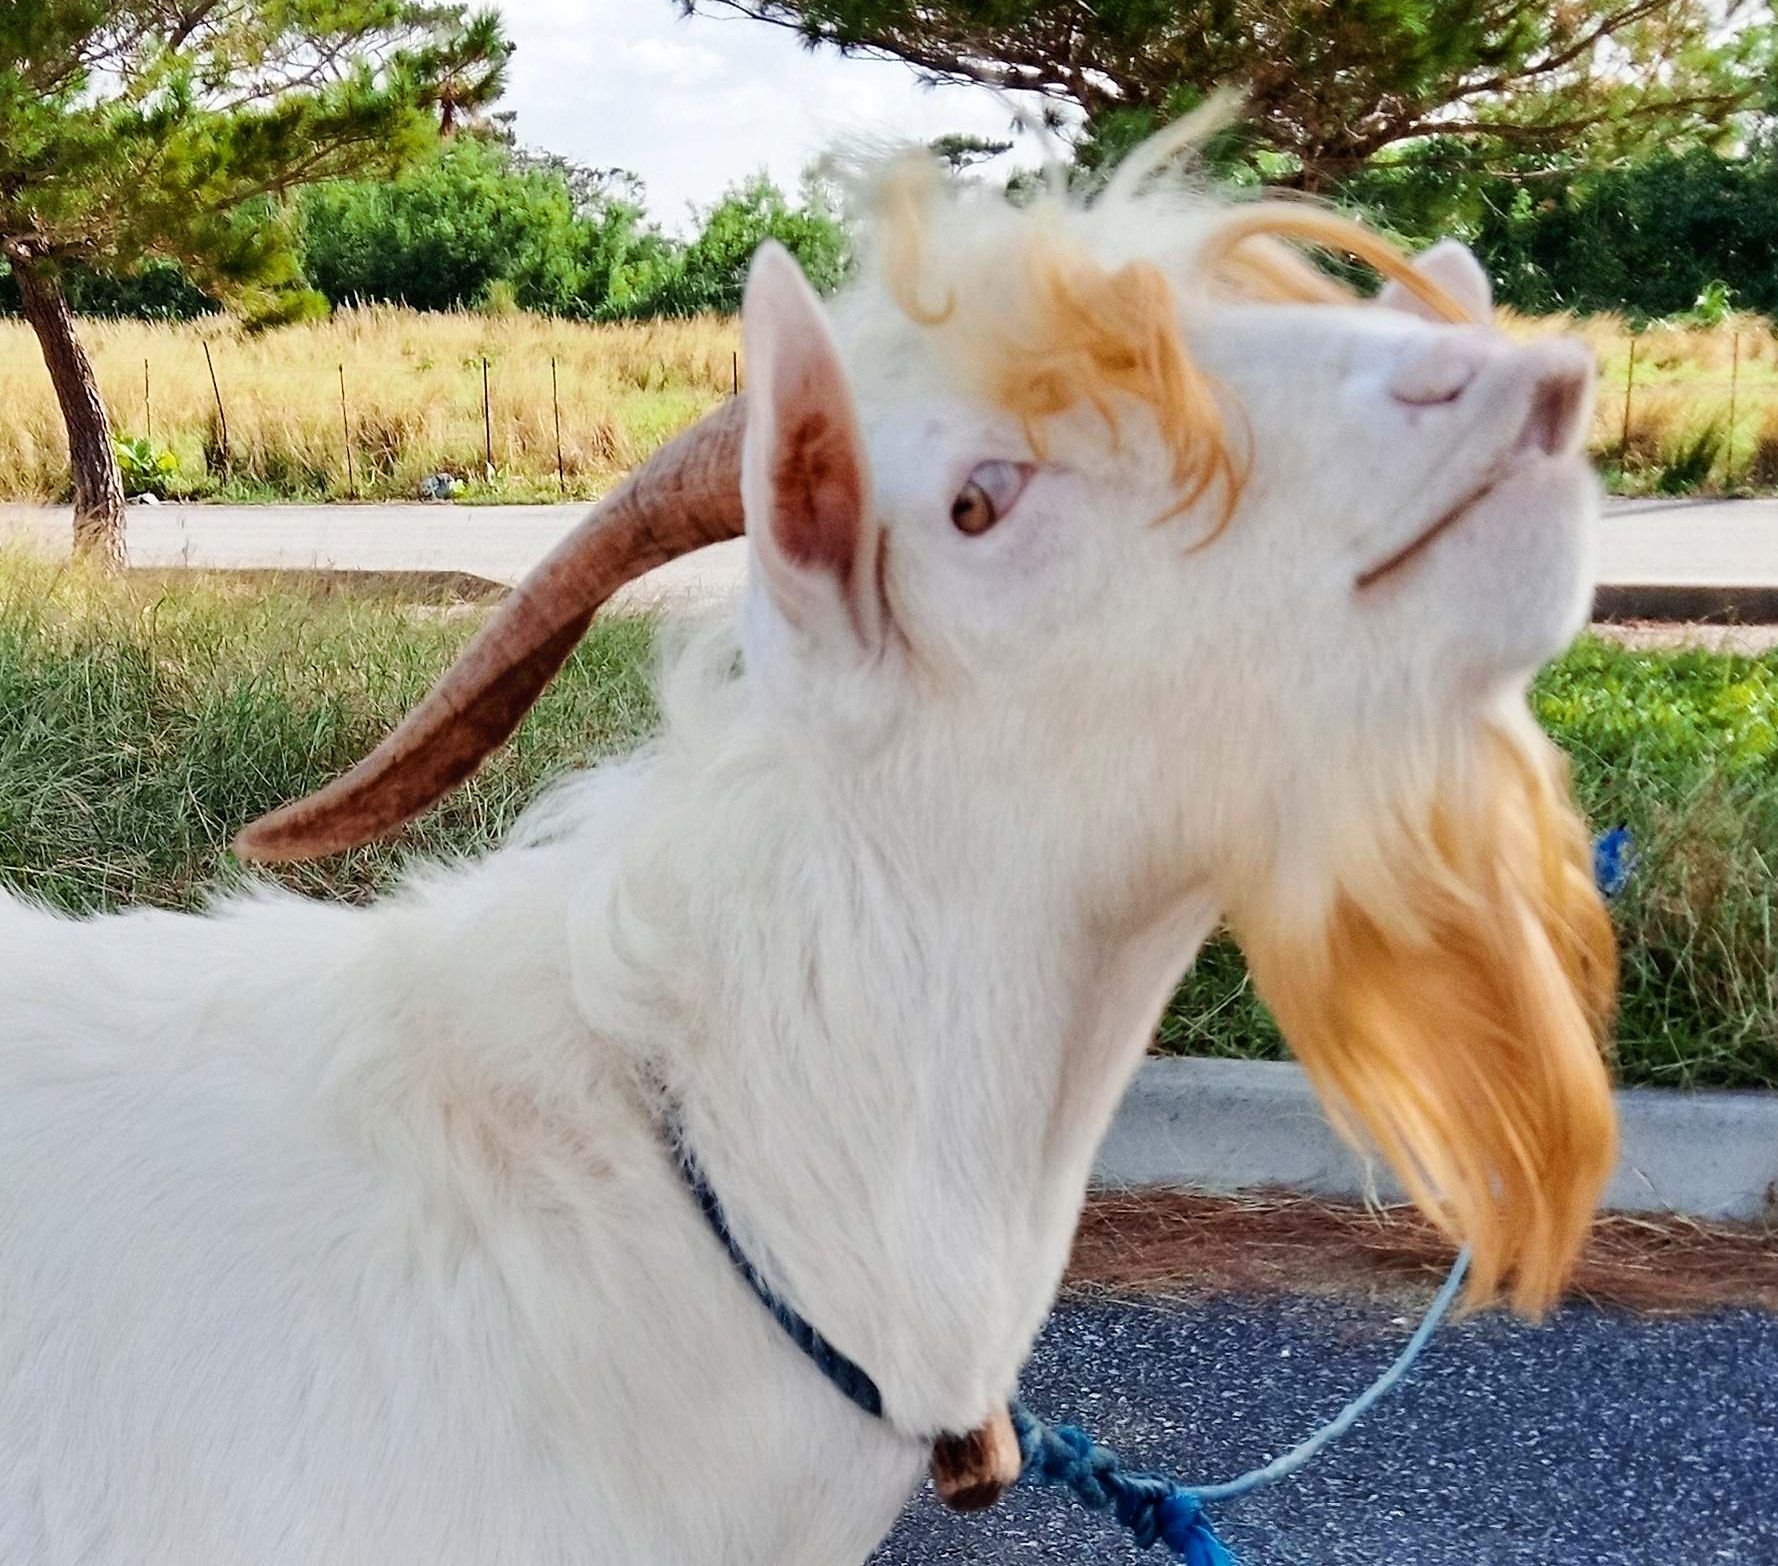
<point x="1113" y="573"/>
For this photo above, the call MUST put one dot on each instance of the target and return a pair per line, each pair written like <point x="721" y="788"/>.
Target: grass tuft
<point x="147" y="723"/>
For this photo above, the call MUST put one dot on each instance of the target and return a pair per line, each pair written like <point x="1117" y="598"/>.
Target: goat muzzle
<point x="688" y="495"/>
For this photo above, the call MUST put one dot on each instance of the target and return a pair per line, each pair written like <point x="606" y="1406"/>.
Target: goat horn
<point x="686" y="496"/>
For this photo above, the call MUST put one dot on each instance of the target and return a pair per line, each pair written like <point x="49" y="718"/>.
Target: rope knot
<point x="1151" y="1507"/>
<point x="1155" y="1509"/>
<point x="1187" y="1532"/>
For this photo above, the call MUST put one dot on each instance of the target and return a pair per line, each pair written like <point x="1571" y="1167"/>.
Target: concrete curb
<point x="1228" y="1125"/>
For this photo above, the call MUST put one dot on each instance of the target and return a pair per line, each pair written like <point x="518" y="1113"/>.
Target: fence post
<point x="555" y="402"/>
<point x="346" y="431"/>
<point x="487" y="426"/>
<point x="221" y="412"/>
<point x="1623" y="449"/>
<point x="1728" y="459"/>
<point x="735" y="373"/>
<point x="147" y="403"/>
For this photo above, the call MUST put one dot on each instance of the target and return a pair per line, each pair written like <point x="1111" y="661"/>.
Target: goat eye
<point x="992" y="491"/>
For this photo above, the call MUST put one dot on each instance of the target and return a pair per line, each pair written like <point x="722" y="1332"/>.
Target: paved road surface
<point x="1713" y="543"/>
<point x="1599" y="1440"/>
<point x="500" y="543"/>
<point x="1720" y="543"/>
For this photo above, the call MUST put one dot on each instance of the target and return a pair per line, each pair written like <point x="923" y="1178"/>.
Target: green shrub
<point x="1689" y="465"/>
<point x="146" y="467"/>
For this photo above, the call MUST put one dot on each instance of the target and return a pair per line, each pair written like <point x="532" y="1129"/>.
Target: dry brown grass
<point x="414" y="405"/>
<point x="1687" y="381"/>
<point x="413" y="399"/>
<point x="1280" y="1243"/>
<point x="1762" y="466"/>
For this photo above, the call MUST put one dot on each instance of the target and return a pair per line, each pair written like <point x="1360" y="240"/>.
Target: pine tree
<point x="1330" y="84"/>
<point x="134" y="129"/>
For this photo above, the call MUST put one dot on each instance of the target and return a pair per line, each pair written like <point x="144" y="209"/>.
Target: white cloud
<point x="694" y="105"/>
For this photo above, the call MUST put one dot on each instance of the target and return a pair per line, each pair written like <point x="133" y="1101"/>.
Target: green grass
<point x="146" y="721"/>
<point x="1682" y="748"/>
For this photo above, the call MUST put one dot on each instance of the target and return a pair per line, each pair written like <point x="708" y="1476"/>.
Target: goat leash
<point x="1154" y="1508"/>
<point x="1157" y="1510"/>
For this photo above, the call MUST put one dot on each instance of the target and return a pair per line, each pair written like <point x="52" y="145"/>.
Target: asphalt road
<point x="1597" y="1440"/>
<point x="1730" y="543"/>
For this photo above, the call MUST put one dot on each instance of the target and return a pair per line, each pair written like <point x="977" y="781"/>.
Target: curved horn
<point x="686" y="496"/>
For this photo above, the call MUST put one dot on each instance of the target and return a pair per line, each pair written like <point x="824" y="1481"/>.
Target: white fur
<point x="347" y="1235"/>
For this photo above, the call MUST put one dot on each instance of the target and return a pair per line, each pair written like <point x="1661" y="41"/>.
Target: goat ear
<point x="804" y="481"/>
<point x="1454" y="268"/>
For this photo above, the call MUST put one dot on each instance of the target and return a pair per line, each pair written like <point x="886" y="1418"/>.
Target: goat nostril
<point x="1553" y="424"/>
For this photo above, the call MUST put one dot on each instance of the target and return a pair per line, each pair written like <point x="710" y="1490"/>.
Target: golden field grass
<point x="1685" y="382"/>
<point x="413" y="402"/>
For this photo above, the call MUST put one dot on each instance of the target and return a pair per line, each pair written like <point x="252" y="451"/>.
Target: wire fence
<point x="360" y="428"/>
<point x="370" y="426"/>
<point x="372" y="403"/>
<point x="1720" y="429"/>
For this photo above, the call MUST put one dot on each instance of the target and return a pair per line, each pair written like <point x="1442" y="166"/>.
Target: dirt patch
<point x="1285" y="1244"/>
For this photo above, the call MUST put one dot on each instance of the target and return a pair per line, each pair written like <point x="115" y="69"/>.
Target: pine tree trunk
<point x="98" y="484"/>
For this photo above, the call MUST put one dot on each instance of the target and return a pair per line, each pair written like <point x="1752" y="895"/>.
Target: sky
<point x="695" y="105"/>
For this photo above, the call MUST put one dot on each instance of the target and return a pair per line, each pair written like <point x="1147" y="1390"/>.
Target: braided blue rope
<point x="1152" y="1507"/>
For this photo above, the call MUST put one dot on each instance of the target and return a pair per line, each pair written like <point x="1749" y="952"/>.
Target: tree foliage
<point x="157" y="129"/>
<point x="711" y="272"/>
<point x="1649" y="238"/>
<point x="1330" y="85"/>
<point x="479" y="221"/>
<point x="138" y="129"/>
<point x="438" y="236"/>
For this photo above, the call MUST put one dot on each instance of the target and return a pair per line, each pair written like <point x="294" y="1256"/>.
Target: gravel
<point x="1595" y="1440"/>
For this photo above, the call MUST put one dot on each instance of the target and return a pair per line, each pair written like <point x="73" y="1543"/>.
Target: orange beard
<point x="1452" y="1006"/>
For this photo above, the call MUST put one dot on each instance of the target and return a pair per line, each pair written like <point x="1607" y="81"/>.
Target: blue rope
<point x="1614" y="860"/>
<point x="1152" y="1507"/>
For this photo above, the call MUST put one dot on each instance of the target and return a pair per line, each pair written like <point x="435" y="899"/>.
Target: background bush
<point x="481" y="223"/>
<point x="1647" y="239"/>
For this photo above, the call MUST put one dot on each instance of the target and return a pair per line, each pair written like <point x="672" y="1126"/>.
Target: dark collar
<point x="969" y="1472"/>
<point x="847" y="1375"/>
